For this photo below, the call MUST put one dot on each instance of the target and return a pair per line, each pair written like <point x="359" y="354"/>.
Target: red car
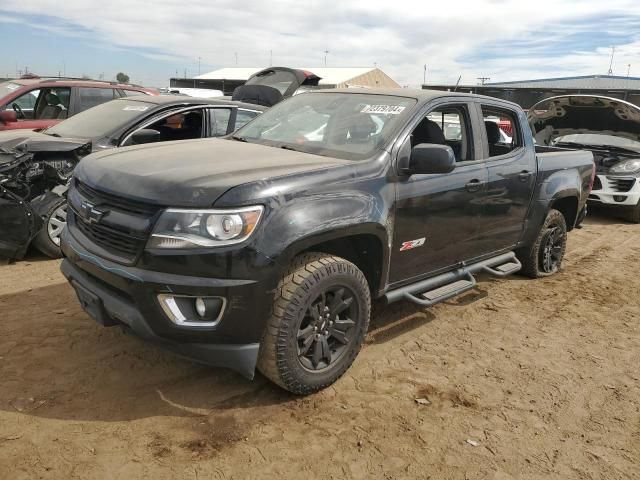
<point x="37" y="103"/>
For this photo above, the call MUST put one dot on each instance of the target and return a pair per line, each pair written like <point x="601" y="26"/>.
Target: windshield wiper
<point x="289" y="147"/>
<point x="238" y="139"/>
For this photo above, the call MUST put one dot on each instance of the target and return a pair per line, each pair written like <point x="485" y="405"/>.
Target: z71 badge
<point x="412" y="244"/>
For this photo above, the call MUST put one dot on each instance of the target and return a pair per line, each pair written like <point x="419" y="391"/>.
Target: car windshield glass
<point x="8" y="87"/>
<point x="351" y="126"/>
<point x="101" y="120"/>
<point x="599" y="139"/>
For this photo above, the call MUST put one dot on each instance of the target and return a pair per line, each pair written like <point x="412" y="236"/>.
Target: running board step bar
<point x="450" y="284"/>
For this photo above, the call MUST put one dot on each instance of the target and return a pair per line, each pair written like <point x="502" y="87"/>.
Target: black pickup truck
<point x="265" y="249"/>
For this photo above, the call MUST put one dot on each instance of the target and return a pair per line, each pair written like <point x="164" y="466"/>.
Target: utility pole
<point x="270" y="58"/>
<point x="326" y="52"/>
<point x="628" y="69"/>
<point x="199" y="65"/>
<point x="185" y="73"/>
<point x="424" y="74"/>
<point x="483" y="79"/>
<point x="236" y="59"/>
<point x="613" y="52"/>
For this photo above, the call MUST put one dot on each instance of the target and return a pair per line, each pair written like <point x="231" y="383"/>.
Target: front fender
<point x="296" y="226"/>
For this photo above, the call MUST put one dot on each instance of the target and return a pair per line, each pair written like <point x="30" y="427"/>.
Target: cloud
<point x="505" y="40"/>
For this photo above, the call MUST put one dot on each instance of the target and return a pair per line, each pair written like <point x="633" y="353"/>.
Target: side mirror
<point x="8" y="116"/>
<point x="431" y="158"/>
<point x="145" y="135"/>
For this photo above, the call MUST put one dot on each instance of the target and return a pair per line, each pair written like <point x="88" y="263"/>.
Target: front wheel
<point x="320" y="317"/>
<point x="544" y="258"/>
<point x="633" y="214"/>
<point x="55" y="220"/>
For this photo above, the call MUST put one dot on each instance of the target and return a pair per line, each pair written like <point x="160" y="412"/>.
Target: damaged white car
<point x="608" y="127"/>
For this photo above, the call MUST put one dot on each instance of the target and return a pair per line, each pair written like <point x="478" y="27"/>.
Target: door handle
<point x="524" y="176"/>
<point x="474" y="185"/>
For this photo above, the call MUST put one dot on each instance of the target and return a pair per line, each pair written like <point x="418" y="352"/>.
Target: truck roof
<point x="416" y="93"/>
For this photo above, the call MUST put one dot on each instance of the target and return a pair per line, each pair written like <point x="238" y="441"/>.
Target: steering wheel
<point x="18" y="109"/>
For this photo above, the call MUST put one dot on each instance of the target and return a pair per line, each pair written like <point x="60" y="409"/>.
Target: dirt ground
<point x="521" y="379"/>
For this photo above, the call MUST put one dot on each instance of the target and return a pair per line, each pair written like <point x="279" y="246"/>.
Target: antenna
<point x="483" y="79"/>
<point x="613" y="52"/>
<point x="457" y="83"/>
<point x="326" y="52"/>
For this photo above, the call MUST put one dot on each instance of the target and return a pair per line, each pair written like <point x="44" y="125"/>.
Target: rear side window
<point x="90" y="97"/>
<point x="503" y="131"/>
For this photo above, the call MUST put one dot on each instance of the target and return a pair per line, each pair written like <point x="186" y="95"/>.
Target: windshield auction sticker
<point x="135" y="108"/>
<point x="388" y="109"/>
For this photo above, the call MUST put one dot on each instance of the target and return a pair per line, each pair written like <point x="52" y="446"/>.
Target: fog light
<point x="619" y="198"/>
<point x="188" y="311"/>
<point x="201" y="307"/>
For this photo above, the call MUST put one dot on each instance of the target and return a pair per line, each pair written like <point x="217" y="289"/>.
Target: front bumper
<point x="115" y="294"/>
<point x="623" y="191"/>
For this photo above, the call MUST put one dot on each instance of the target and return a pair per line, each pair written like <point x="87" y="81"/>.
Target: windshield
<point x="8" y="87"/>
<point x="101" y="120"/>
<point x="599" y="139"/>
<point x="342" y="125"/>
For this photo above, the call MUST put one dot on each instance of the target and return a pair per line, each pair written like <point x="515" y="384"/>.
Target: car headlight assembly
<point x="627" y="166"/>
<point x="193" y="228"/>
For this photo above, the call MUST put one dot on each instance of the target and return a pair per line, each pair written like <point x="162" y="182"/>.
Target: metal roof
<point x="328" y="75"/>
<point x="586" y="82"/>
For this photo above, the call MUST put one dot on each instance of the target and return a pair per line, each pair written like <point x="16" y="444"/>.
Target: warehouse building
<point x="227" y="79"/>
<point x="528" y="92"/>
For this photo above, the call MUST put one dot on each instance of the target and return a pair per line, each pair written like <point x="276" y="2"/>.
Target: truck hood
<point x="191" y="173"/>
<point x="591" y="114"/>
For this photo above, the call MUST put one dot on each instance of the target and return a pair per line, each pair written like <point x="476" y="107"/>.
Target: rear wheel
<point x="319" y="320"/>
<point x="55" y="220"/>
<point x="545" y="257"/>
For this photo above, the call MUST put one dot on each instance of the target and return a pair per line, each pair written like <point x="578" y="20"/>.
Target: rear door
<point x="438" y="217"/>
<point x="512" y="172"/>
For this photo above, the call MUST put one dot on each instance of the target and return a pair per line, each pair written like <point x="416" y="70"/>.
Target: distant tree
<point x="86" y="77"/>
<point x="122" y="77"/>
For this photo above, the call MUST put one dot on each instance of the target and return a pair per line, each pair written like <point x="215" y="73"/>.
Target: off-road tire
<point x="531" y="258"/>
<point x="633" y="214"/>
<point x="42" y="241"/>
<point x="309" y="275"/>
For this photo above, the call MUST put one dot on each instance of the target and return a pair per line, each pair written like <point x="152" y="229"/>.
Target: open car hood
<point x="591" y="114"/>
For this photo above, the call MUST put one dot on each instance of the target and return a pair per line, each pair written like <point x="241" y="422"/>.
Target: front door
<point x="438" y="217"/>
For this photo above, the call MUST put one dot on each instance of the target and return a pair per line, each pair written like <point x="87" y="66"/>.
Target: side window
<point x="503" y="132"/>
<point x="219" y="120"/>
<point x="244" y="116"/>
<point x="53" y="103"/>
<point x="132" y="93"/>
<point x="447" y="125"/>
<point x="90" y="97"/>
<point x="25" y="105"/>
<point x="176" y="126"/>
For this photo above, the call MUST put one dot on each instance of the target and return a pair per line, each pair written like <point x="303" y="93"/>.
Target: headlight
<point x="178" y="228"/>
<point x="626" y="166"/>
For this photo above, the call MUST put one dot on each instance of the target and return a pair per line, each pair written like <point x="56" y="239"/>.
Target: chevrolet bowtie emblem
<point x="90" y="213"/>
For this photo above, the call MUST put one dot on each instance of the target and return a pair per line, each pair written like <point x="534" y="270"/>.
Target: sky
<point x="152" y="41"/>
